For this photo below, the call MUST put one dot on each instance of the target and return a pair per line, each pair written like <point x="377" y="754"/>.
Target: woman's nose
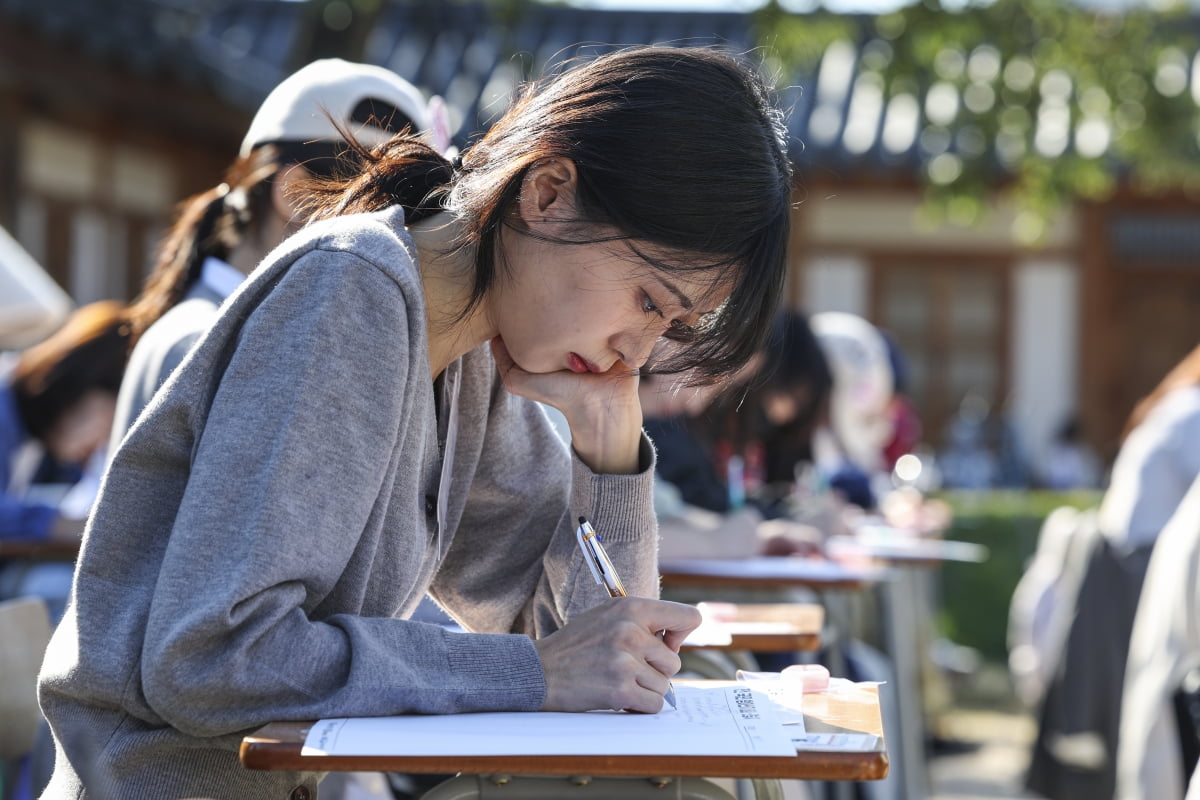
<point x="634" y="347"/>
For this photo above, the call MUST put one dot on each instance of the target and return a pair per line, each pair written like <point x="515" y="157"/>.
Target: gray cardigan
<point x="272" y="516"/>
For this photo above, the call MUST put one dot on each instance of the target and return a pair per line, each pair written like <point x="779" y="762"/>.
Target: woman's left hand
<point x="602" y="409"/>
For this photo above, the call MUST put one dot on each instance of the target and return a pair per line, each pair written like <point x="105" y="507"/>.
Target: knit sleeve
<point x="515" y="564"/>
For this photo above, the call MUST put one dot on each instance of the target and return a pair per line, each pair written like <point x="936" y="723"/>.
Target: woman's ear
<point x="548" y="191"/>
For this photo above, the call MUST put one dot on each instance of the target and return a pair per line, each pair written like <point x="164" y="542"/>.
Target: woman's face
<point x="583" y="307"/>
<point x="588" y="307"/>
<point x="83" y="428"/>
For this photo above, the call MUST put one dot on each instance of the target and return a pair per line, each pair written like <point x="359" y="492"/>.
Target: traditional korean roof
<point x="471" y="54"/>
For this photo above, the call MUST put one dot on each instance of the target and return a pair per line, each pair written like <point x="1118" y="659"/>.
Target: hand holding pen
<point x="605" y="573"/>
<point x="620" y="654"/>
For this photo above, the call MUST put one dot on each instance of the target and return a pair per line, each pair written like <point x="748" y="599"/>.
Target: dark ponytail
<point x="211" y="223"/>
<point x="215" y="222"/>
<point x="403" y="171"/>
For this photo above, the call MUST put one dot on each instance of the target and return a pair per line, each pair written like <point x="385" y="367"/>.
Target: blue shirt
<point x="18" y="518"/>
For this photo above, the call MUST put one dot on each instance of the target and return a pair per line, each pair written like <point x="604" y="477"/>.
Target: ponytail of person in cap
<point x="219" y="235"/>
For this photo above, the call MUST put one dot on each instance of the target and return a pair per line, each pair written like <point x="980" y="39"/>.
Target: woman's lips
<point x="577" y="363"/>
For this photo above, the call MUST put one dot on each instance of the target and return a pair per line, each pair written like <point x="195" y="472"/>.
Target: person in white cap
<point x="221" y="234"/>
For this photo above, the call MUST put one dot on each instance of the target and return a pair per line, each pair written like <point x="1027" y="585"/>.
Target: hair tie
<point x="237" y="201"/>
<point x="456" y="162"/>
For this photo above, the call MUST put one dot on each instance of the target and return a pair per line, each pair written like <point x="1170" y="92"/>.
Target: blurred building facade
<point x="111" y="111"/>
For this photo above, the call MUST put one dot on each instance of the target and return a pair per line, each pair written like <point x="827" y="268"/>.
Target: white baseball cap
<point x="363" y="98"/>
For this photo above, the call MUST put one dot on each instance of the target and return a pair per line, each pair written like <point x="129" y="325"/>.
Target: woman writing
<point x="358" y="428"/>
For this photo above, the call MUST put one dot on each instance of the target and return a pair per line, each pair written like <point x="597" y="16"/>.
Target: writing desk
<point x="278" y="746"/>
<point x="769" y="572"/>
<point x="906" y="608"/>
<point x="906" y="550"/>
<point x="766" y="576"/>
<point x="749" y="628"/>
<point x="767" y="627"/>
<point x="40" y="550"/>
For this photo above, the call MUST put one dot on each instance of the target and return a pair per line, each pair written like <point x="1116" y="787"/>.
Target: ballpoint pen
<point x="606" y="574"/>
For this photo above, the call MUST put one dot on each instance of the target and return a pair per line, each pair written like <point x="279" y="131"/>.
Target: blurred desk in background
<point x="734" y="634"/>
<point x="903" y="549"/>
<point x="907" y="607"/>
<point x="764" y="573"/>
<point x="39" y="550"/>
<point x="762" y="627"/>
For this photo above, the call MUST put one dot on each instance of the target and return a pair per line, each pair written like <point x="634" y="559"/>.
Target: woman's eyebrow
<point x="673" y="289"/>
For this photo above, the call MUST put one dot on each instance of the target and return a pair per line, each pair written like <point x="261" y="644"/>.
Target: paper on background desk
<point x="710" y="633"/>
<point x="710" y="721"/>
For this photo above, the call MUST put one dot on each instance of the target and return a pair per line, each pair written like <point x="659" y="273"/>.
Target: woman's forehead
<point x="698" y="282"/>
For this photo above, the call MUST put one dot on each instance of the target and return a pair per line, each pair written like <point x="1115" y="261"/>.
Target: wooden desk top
<point x="769" y="572"/>
<point x="767" y="627"/>
<point x="40" y="550"/>
<point x="278" y="747"/>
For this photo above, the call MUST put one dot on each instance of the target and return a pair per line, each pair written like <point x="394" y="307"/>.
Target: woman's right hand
<point x="620" y="654"/>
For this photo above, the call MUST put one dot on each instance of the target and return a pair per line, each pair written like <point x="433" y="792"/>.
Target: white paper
<point x="710" y="721"/>
<point x="835" y="742"/>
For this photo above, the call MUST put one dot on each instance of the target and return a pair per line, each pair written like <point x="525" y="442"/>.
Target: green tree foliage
<point x="1050" y="101"/>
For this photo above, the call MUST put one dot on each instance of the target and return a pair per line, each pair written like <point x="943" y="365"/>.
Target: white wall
<point x="102" y="183"/>
<point x="91" y="247"/>
<point x="835" y="283"/>
<point x="1044" y="349"/>
<point x="894" y="220"/>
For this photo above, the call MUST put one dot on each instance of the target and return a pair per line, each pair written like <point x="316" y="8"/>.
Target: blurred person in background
<point x="787" y="405"/>
<point x="739" y="447"/>
<point x="905" y="422"/>
<point x="57" y="403"/>
<point x="221" y="234"/>
<point x="1159" y="459"/>
<point x="967" y="460"/>
<point x="1069" y="462"/>
<point x="1159" y="742"/>
<point x="849" y="449"/>
<point x="700" y="514"/>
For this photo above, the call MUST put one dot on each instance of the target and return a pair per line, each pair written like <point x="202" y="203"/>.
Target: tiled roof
<point x="145" y="37"/>
<point x="458" y="50"/>
<point x="839" y="116"/>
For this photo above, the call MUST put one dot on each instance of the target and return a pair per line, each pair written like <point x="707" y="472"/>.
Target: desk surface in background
<point x="903" y="550"/>
<point x="769" y="572"/>
<point x="278" y="746"/>
<point x="766" y="627"/>
<point x="40" y="550"/>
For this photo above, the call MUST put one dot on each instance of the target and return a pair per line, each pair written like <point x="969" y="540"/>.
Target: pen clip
<point x="598" y="561"/>
<point x="585" y="544"/>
